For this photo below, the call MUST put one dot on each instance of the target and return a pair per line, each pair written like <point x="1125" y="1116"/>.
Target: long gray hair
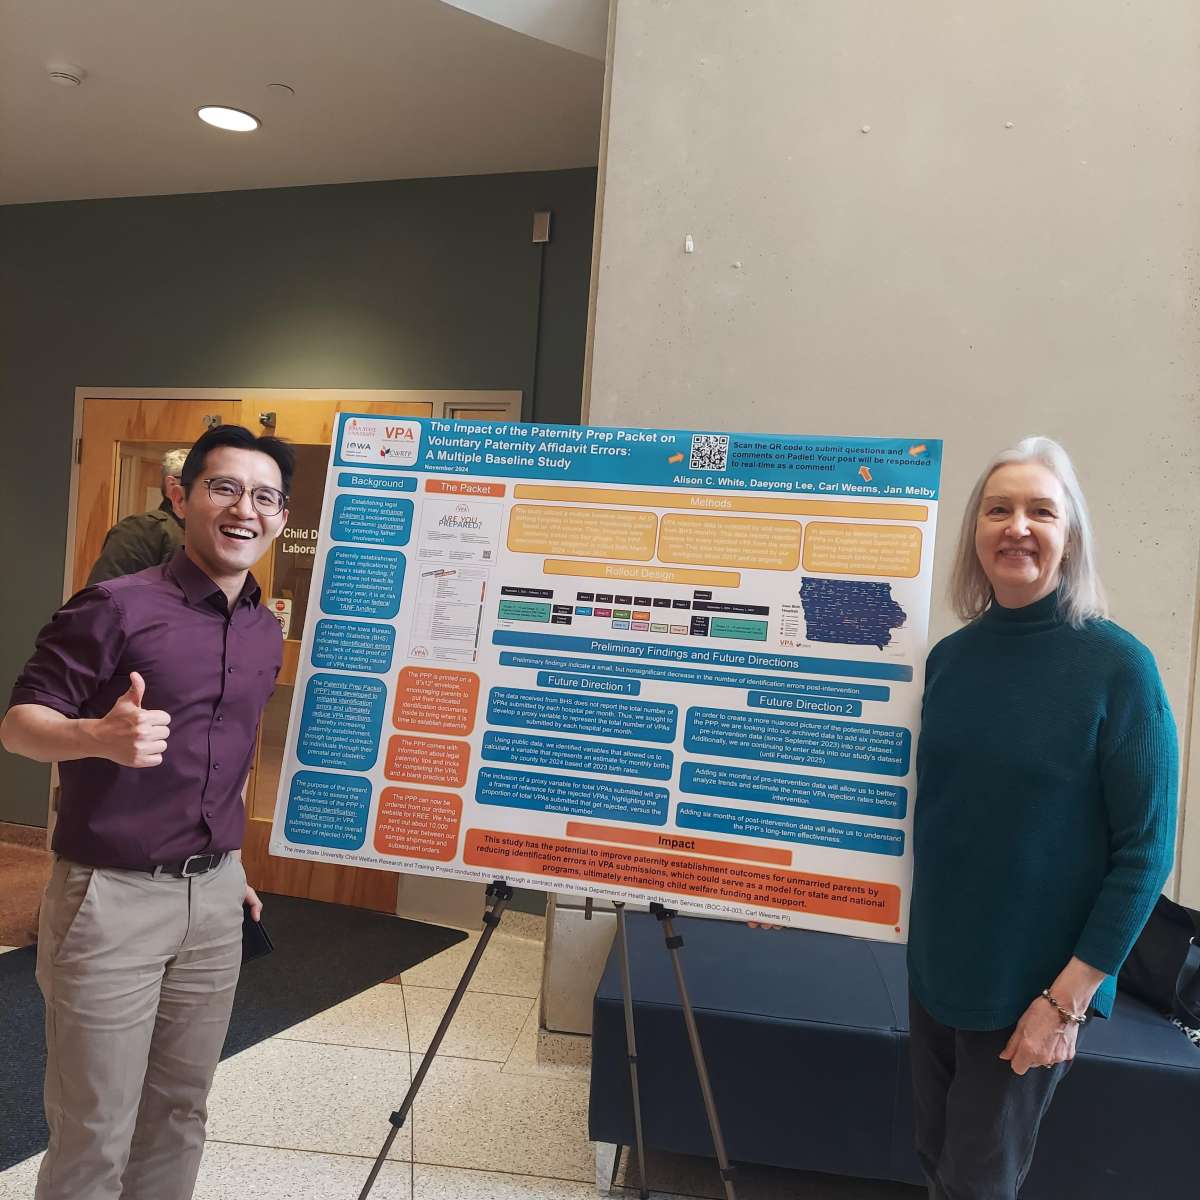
<point x="1081" y="594"/>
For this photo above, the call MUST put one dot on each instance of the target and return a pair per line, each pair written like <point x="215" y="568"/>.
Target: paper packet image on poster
<point x="637" y="664"/>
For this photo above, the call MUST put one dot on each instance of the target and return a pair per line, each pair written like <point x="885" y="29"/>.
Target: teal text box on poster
<point x="860" y="796"/>
<point x="598" y="684"/>
<point x="362" y="583"/>
<point x="568" y="795"/>
<point x="327" y="810"/>
<point x="796" y="702"/>
<point x="376" y="483"/>
<point x="353" y="646"/>
<point x="341" y="722"/>
<point x="601" y="716"/>
<point x="669" y="673"/>
<point x="372" y="520"/>
<point x="575" y="754"/>
<point x="783" y="827"/>
<point x="798" y="741"/>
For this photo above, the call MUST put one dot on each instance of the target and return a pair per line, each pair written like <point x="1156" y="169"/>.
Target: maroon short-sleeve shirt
<point x="213" y="670"/>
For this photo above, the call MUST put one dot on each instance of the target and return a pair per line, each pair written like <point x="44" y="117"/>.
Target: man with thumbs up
<point x="147" y="691"/>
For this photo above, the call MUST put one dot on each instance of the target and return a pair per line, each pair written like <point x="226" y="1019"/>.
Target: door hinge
<point x="79" y="450"/>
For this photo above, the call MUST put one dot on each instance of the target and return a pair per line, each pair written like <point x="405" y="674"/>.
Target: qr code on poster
<point x="710" y="452"/>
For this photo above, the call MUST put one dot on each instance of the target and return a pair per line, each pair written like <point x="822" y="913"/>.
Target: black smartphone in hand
<point x="256" y="942"/>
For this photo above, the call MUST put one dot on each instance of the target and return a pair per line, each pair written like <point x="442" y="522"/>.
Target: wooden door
<point x="115" y="432"/>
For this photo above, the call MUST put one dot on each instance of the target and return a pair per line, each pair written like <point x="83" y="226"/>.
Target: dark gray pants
<point x="976" y="1121"/>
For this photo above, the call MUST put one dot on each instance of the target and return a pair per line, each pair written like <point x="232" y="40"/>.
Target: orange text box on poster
<point x="589" y="532"/>
<point x="892" y="550"/>
<point x="675" y="841"/>
<point x="759" y="542"/>
<point x="645" y="870"/>
<point x="418" y="824"/>
<point x="463" y="487"/>
<point x="429" y="700"/>
<point x="426" y="760"/>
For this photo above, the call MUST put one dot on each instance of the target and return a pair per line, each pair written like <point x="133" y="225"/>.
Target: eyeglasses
<point x="225" y="493"/>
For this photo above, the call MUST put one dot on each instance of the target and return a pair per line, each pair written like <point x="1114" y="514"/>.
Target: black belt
<point x="195" y="864"/>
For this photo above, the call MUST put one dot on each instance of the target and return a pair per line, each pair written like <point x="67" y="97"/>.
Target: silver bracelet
<point x="1068" y="1017"/>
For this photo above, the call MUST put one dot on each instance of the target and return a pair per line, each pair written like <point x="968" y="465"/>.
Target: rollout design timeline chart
<point x="639" y="664"/>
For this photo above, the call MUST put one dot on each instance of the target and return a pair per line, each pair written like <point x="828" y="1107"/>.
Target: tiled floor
<point x="502" y="1114"/>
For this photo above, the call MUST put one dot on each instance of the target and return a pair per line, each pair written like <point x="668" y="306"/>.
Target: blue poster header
<point x="900" y="468"/>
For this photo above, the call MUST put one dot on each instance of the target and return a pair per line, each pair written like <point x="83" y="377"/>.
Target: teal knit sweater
<point x="1045" y="812"/>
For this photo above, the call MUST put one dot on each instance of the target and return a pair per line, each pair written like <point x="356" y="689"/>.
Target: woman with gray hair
<point x="1044" y="823"/>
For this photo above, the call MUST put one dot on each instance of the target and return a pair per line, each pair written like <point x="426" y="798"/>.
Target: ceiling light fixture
<point x="233" y="119"/>
<point x="65" y="74"/>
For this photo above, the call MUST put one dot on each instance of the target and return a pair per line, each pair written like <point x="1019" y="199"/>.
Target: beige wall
<point x="954" y="220"/>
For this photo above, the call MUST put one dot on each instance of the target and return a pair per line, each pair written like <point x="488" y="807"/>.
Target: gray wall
<point x="414" y="284"/>
<point x="1010" y="247"/>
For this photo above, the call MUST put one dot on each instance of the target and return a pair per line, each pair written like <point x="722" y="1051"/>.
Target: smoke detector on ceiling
<point x="65" y="75"/>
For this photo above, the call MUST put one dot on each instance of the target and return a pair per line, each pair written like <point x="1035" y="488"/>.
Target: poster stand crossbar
<point x="499" y="894"/>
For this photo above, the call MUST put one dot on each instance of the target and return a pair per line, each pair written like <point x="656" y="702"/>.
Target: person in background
<point x="148" y="690"/>
<point x="144" y="539"/>
<point x="1044" y="824"/>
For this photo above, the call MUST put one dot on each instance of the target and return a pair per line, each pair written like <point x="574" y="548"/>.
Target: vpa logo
<point x="381" y="440"/>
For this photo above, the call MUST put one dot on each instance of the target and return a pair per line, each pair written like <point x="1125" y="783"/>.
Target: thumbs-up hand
<point x="129" y="734"/>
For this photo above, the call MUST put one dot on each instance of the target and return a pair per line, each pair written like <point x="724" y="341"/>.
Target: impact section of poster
<point x="372" y="520"/>
<point x="362" y="583"/>
<point x="647" y="870"/>
<point x="353" y="646"/>
<point x="839" y="745"/>
<point x="327" y="810"/>
<point x="600" y="799"/>
<point x="341" y="722"/>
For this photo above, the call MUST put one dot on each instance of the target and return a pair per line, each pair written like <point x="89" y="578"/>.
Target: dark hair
<point x="239" y="438"/>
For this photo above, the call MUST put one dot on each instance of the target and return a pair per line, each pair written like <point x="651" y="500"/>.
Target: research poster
<point x="639" y="664"/>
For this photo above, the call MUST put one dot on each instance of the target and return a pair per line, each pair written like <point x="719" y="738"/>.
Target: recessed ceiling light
<point x="65" y="74"/>
<point x="233" y="119"/>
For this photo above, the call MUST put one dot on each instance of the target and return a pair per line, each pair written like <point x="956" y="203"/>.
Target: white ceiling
<point x="384" y="89"/>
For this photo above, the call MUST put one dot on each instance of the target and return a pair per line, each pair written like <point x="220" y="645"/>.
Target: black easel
<point x="674" y="942"/>
<point x="499" y="894"/>
<point x="631" y="1047"/>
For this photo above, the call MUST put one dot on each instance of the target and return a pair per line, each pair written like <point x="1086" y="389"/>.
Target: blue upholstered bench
<point x="806" y="1040"/>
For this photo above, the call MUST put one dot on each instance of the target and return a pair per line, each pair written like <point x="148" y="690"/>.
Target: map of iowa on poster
<point x="640" y="664"/>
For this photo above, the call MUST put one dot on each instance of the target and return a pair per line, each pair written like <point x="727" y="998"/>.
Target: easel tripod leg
<point x="499" y="894"/>
<point x="674" y="942"/>
<point x="631" y="1046"/>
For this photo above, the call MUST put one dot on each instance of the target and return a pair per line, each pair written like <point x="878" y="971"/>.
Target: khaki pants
<point x="138" y="975"/>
